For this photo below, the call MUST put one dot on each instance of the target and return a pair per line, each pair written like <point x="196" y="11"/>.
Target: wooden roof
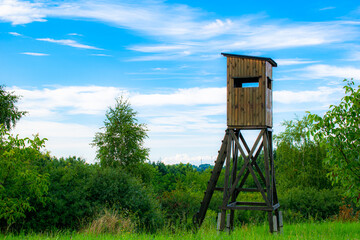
<point x="272" y="62"/>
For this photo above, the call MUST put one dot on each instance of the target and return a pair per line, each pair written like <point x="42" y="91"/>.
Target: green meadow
<point x="316" y="230"/>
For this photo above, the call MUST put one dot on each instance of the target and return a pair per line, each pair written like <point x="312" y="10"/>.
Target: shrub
<point x="304" y="203"/>
<point x="22" y="185"/>
<point x="114" y="188"/>
<point x="77" y="191"/>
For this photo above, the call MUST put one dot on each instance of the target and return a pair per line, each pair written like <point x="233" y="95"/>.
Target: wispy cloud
<point x="35" y="54"/>
<point x="64" y="139"/>
<point x="68" y="42"/>
<point x="327" y="8"/>
<point x="75" y="34"/>
<point x="322" y="71"/>
<point x="53" y="102"/>
<point x="321" y="95"/>
<point x="22" y="12"/>
<point x="158" y="48"/>
<point x="197" y="117"/>
<point x="100" y="55"/>
<point x="190" y="96"/>
<point x="296" y="61"/>
<point x="15" y="34"/>
<point x="186" y="31"/>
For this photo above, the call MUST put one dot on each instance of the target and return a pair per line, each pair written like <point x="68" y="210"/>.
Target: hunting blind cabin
<point x="249" y="108"/>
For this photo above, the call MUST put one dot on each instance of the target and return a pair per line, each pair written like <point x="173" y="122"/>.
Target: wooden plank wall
<point x="248" y="107"/>
<point x="269" y="98"/>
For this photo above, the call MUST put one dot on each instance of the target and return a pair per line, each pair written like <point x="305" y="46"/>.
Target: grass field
<point x="324" y="230"/>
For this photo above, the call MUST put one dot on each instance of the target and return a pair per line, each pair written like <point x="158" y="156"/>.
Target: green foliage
<point x="79" y="191"/>
<point x="121" y="143"/>
<point x="299" y="159"/>
<point x="300" y="204"/>
<point x="67" y="199"/>
<point x="9" y="113"/>
<point x="116" y="189"/>
<point x="21" y="182"/>
<point x="339" y="129"/>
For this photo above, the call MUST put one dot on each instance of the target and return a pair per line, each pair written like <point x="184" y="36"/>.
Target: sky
<point x="70" y="60"/>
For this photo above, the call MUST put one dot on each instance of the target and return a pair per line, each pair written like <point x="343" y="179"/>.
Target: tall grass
<point x="324" y="230"/>
<point x="113" y="222"/>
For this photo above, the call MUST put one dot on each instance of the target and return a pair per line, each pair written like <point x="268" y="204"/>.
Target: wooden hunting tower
<point x="249" y="107"/>
<point x="249" y="91"/>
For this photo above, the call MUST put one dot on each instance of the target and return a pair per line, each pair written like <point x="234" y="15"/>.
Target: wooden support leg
<point x="228" y="226"/>
<point x="271" y="222"/>
<point x="232" y="215"/>
<point x="222" y="220"/>
<point x="275" y="224"/>
<point x="218" y="221"/>
<point x="279" y="220"/>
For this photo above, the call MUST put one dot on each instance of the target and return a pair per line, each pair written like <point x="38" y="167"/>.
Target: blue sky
<point x="69" y="60"/>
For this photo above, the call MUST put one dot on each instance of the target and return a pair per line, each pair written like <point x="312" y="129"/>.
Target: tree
<point x="121" y="142"/>
<point x="21" y="182"/>
<point x="339" y="129"/>
<point x="9" y="113"/>
<point x="299" y="159"/>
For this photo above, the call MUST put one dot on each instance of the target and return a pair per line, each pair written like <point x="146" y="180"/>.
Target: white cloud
<point x="15" y="34"/>
<point x="35" y="54"/>
<point x="75" y="34"/>
<point x="296" y="61"/>
<point x="354" y="55"/>
<point x="21" y="12"/>
<point x="100" y="55"/>
<point x="53" y="102"/>
<point x="159" y="69"/>
<point x="320" y="71"/>
<point x="197" y="119"/>
<point x="185" y="30"/>
<point x="327" y="8"/>
<point x="64" y="139"/>
<point x="158" y="48"/>
<point x="190" y="96"/>
<point x="68" y="42"/>
<point x="321" y="95"/>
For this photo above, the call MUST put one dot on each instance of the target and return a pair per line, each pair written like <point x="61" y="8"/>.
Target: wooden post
<point x="228" y="225"/>
<point x="218" y="221"/>
<point x="226" y="180"/>
<point x="279" y="220"/>
<point x="275" y="224"/>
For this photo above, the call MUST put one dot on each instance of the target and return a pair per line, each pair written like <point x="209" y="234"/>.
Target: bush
<point x="304" y="203"/>
<point x="114" y="188"/>
<point x="78" y="191"/>
<point x="68" y="197"/>
<point x="22" y="185"/>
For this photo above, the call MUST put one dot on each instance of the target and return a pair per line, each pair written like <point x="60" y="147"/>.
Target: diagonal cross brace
<point x="246" y="165"/>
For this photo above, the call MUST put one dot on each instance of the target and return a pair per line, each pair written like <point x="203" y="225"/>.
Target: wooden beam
<point x="199" y="216"/>
<point x="226" y="179"/>
<point x="246" y="162"/>
<point x="259" y="208"/>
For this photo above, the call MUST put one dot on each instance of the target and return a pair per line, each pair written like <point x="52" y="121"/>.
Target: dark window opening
<point x="269" y="83"/>
<point x="246" y="82"/>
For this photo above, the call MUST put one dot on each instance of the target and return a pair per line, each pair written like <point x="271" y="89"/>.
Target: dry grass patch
<point x="113" y="222"/>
